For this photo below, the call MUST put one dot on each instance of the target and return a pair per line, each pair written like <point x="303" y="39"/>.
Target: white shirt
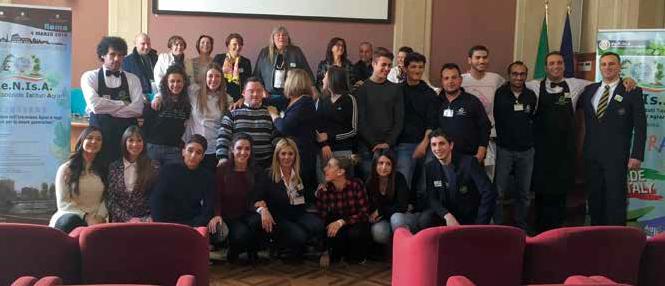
<point x="484" y="90"/>
<point x="292" y="187"/>
<point x="130" y="175"/>
<point x="575" y="85"/>
<point x="204" y="124"/>
<point x="90" y="199"/>
<point x="599" y="93"/>
<point x="394" y="75"/>
<point x="164" y="61"/>
<point x="116" y="108"/>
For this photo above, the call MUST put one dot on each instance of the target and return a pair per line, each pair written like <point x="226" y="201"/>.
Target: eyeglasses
<point x="516" y="74"/>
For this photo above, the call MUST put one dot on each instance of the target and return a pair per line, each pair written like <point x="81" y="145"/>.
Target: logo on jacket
<point x="461" y="111"/>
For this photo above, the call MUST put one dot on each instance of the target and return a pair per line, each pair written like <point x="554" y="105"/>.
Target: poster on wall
<point x="35" y="81"/>
<point x="643" y="58"/>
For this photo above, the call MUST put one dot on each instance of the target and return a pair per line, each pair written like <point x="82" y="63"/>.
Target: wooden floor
<point x="275" y="272"/>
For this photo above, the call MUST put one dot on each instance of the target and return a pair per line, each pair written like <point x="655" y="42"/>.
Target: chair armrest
<point x="458" y="280"/>
<point x="25" y="281"/>
<point x="49" y="281"/>
<point x="186" y="280"/>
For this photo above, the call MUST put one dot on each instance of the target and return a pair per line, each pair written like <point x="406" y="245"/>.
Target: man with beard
<point x="462" y="116"/>
<point x="483" y="84"/>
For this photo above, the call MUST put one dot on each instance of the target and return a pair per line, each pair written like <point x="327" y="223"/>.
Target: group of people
<point x="339" y="160"/>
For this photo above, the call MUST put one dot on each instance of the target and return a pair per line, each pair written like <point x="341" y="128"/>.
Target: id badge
<point x="448" y="113"/>
<point x="278" y="81"/>
<point x="518" y="107"/>
<point x="438" y="184"/>
<point x="299" y="200"/>
<point x="293" y="65"/>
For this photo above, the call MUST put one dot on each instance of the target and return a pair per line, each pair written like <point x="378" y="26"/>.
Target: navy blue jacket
<point x="183" y="196"/>
<point x="468" y="194"/>
<point x="299" y="123"/>
<point x="133" y="64"/>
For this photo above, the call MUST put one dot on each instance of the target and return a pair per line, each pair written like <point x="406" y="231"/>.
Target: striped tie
<point x="602" y="104"/>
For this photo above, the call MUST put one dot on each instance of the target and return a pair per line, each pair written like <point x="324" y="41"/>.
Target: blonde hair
<point x="272" y="49"/>
<point x="202" y="96"/>
<point x="276" y="170"/>
<point x="297" y="83"/>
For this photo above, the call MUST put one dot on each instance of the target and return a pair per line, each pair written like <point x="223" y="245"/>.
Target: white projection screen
<point x="337" y="10"/>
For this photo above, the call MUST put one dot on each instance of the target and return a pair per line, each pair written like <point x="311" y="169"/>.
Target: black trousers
<point x="550" y="211"/>
<point x="244" y="232"/>
<point x="607" y="188"/>
<point x="351" y="242"/>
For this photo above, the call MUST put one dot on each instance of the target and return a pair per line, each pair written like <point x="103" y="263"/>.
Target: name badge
<point x="293" y="65"/>
<point x="299" y="200"/>
<point x="280" y="76"/>
<point x="518" y="107"/>
<point x="438" y="184"/>
<point x="448" y="113"/>
<point x="618" y="98"/>
<point x="567" y="95"/>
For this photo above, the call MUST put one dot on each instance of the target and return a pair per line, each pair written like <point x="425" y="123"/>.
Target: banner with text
<point x="35" y="80"/>
<point x="643" y="58"/>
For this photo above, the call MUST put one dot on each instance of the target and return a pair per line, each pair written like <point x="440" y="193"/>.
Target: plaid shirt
<point x="349" y="204"/>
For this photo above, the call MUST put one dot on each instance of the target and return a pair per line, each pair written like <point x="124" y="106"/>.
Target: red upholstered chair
<point x="611" y="251"/>
<point x="142" y="253"/>
<point x="486" y="254"/>
<point x="653" y="260"/>
<point x="458" y="280"/>
<point x="49" y="281"/>
<point x="37" y="250"/>
<point x="591" y="281"/>
<point x="25" y="281"/>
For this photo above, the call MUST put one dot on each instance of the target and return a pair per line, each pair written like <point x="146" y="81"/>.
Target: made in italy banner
<point x="643" y="59"/>
<point x="35" y="80"/>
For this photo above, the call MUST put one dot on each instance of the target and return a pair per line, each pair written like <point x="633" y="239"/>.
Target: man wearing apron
<point x="554" y="142"/>
<point x="114" y="98"/>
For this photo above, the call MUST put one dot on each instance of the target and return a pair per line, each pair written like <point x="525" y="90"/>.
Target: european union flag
<point x="567" y="49"/>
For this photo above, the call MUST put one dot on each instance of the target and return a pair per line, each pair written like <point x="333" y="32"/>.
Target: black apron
<point x="554" y="143"/>
<point x="112" y="127"/>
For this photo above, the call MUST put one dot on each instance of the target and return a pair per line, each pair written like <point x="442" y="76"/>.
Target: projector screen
<point x="337" y="10"/>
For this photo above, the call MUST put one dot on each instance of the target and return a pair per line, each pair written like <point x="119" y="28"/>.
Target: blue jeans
<point x="294" y="233"/>
<point x="164" y="154"/>
<point x="405" y="163"/>
<point x="521" y="164"/>
<point x="408" y="220"/>
<point x="381" y="232"/>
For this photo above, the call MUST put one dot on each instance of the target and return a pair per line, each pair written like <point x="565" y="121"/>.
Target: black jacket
<point x="468" y="194"/>
<point x="609" y="139"/>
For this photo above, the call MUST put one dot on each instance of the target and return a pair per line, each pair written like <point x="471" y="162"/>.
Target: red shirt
<point x="349" y="203"/>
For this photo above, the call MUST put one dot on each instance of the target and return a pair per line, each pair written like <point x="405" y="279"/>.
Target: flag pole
<point x="568" y="6"/>
<point x="547" y="8"/>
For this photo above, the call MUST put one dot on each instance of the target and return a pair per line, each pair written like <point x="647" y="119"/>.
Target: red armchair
<point x="185" y="280"/>
<point x="486" y="254"/>
<point x="143" y="253"/>
<point x="37" y="250"/>
<point x="653" y="259"/>
<point x="611" y="251"/>
<point x="591" y="281"/>
<point x="459" y="281"/>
